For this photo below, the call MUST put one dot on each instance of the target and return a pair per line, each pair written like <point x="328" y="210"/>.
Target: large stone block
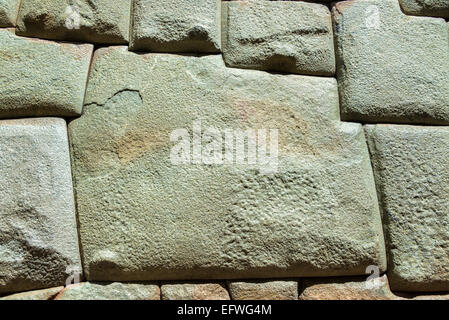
<point x="264" y="290"/>
<point x="411" y="166"/>
<point x="144" y="216"/>
<point x="99" y="21"/>
<point x="8" y="12"/>
<point x="436" y="8"/>
<point x="176" y="26"/>
<point x="41" y="78"/>
<point x="391" y="67"/>
<point x="279" y="36"/>
<point x="38" y="238"/>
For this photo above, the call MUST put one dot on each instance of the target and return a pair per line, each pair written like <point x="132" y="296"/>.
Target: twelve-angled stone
<point x="8" y="12"/>
<point x="436" y="8"/>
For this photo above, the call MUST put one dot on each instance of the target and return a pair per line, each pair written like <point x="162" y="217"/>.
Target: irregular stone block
<point x="41" y="78"/>
<point x="279" y="36"/>
<point x="38" y="238"/>
<point x="110" y="291"/>
<point x="353" y="288"/>
<point x="391" y="67"/>
<point x="264" y="290"/>
<point x="146" y="215"/>
<point x="176" y="26"/>
<point x="44" y="294"/>
<point x="8" y="12"/>
<point x="411" y="166"/>
<point x="435" y="8"/>
<point x="194" y="291"/>
<point x="99" y="21"/>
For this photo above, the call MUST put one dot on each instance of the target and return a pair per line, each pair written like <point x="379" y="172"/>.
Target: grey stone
<point x="110" y="291"/>
<point x="279" y="36"/>
<point x="38" y="238"/>
<point x="436" y="8"/>
<point x="99" y="21"/>
<point x="391" y="67"/>
<point x="41" y="78"/>
<point x="44" y="294"/>
<point x="143" y="217"/>
<point x="194" y="291"/>
<point x="264" y="290"/>
<point x="8" y="12"/>
<point x="176" y="26"/>
<point x="411" y="166"/>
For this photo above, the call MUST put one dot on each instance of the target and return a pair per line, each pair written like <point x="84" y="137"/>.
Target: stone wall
<point x="120" y="168"/>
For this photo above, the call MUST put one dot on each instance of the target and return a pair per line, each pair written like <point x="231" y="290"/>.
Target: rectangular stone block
<point x="264" y="290"/>
<point x="8" y="12"/>
<point x="99" y="21"/>
<point x="194" y="291"/>
<point x="38" y="238"/>
<point x="435" y="8"/>
<point x="286" y="36"/>
<point x="176" y="26"/>
<point x="41" y="78"/>
<point x="411" y="167"/>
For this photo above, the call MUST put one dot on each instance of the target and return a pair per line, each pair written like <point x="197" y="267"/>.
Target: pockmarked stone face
<point x="280" y="36"/>
<point x="38" y="238"/>
<point x="99" y="21"/>
<point x="264" y="290"/>
<point x="411" y="166"/>
<point x="194" y="291"/>
<point x="436" y="8"/>
<point x="8" y="12"/>
<point x="391" y="67"/>
<point x="41" y="78"/>
<point x="176" y="26"/>
<point x="147" y="214"/>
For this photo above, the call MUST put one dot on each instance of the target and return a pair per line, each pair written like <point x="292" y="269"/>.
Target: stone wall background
<point x="90" y="92"/>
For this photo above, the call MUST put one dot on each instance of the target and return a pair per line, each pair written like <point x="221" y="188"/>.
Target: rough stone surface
<point x="194" y="291"/>
<point x="347" y="289"/>
<point x="280" y="36"/>
<point x="99" y="21"/>
<point x="176" y="26"/>
<point x="44" y="294"/>
<point x="41" y="78"/>
<point x="110" y="291"/>
<point x="8" y="12"/>
<point x="264" y="290"/>
<point x="391" y="67"/>
<point x="436" y="8"/>
<point x="411" y="166"/>
<point x="38" y="239"/>
<point x="144" y="218"/>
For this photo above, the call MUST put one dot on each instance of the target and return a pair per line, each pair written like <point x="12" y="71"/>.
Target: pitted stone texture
<point x="194" y="291"/>
<point x="144" y="218"/>
<point x="435" y="8"/>
<point x="8" y="12"/>
<point x="99" y="21"/>
<point x="176" y="26"/>
<point x="38" y="238"/>
<point x="110" y="291"/>
<point x="41" y="78"/>
<point x="44" y="294"/>
<point x="279" y="36"/>
<point x="354" y="288"/>
<point x="411" y="166"/>
<point x="264" y="290"/>
<point x="391" y="67"/>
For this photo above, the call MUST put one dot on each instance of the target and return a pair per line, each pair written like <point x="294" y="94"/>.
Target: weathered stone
<point x="391" y="67"/>
<point x="99" y="21"/>
<point x="264" y="290"/>
<point x="354" y="288"/>
<point x="8" y="12"/>
<point x="110" y="291"/>
<point x="143" y="217"/>
<point x="194" y="291"/>
<point x="41" y="78"/>
<point x="38" y="238"/>
<point x="44" y="294"/>
<point x="435" y="8"/>
<point x="176" y="26"/>
<point x="280" y="36"/>
<point x="411" y="166"/>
